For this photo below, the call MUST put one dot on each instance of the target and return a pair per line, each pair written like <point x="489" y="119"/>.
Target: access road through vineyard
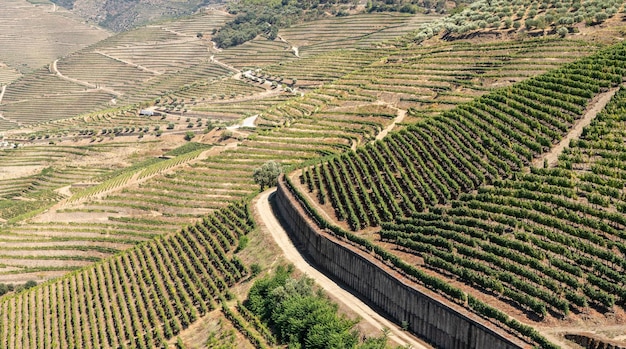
<point x="269" y="223"/>
<point x="596" y="106"/>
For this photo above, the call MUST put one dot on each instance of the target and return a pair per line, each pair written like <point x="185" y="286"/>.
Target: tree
<point x="302" y="317"/>
<point x="267" y="175"/>
<point x="189" y="135"/>
<point x="4" y="288"/>
<point x="601" y="17"/>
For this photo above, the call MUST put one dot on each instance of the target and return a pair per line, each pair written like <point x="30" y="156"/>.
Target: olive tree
<point x="267" y="174"/>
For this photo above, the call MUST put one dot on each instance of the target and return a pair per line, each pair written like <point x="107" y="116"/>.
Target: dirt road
<point x="55" y="70"/>
<point x="596" y="106"/>
<point x="270" y="224"/>
<point x="401" y="115"/>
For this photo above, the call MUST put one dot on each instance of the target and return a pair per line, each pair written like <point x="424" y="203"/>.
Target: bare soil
<point x="10" y="172"/>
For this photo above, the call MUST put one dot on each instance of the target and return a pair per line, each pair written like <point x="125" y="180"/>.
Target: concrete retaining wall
<point x="429" y="318"/>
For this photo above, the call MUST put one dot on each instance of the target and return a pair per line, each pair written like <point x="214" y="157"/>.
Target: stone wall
<point x="592" y="341"/>
<point x="430" y="318"/>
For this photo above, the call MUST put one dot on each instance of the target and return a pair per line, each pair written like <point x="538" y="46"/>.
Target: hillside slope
<point x="82" y="189"/>
<point x="123" y="15"/>
<point x="546" y="247"/>
<point x="32" y="36"/>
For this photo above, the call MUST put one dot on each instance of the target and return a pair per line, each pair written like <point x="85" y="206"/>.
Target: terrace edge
<point x="430" y="317"/>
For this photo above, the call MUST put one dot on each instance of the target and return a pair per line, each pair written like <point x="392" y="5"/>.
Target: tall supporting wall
<point x="428" y="317"/>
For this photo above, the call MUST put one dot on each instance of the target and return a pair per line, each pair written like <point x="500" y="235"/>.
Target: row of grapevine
<point x="416" y="274"/>
<point x="551" y="240"/>
<point x="531" y="235"/>
<point x="125" y="176"/>
<point x="548" y="241"/>
<point x="138" y="299"/>
<point x="436" y="160"/>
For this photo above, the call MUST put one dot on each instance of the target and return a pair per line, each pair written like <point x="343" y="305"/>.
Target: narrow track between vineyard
<point x="595" y="106"/>
<point x="269" y="223"/>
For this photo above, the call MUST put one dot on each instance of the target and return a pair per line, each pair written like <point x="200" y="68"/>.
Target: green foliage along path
<point x="300" y="316"/>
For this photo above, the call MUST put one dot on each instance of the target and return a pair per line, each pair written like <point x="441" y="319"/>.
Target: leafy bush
<point x="301" y="317"/>
<point x="267" y="175"/>
<point x="5" y="288"/>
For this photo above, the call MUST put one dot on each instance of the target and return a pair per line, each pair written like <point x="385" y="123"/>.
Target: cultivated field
<point x="540" y="244"/>
<point x="32" y="36"/>
<point x="431" y="155"/>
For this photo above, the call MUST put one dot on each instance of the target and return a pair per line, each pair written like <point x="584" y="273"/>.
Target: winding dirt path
<point x="401" y="115"/>
<point x="134" y="65"/>
<point x="2" y="91"/>
<point x="229" y="67"/>
<point x="55" y="70"/>
<point x="596" y="105"/>
<point x="270" y="224"/>
<point x="294" y="49"/>
<point x="247" y="122"/>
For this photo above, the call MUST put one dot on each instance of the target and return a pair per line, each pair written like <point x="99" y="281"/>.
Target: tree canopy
<point x="267" y="175"/>
<point x="302" y="317"/>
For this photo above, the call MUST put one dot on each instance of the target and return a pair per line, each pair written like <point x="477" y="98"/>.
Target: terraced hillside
<point x="493" y="19"/>
<point x="114" y="188"/>
<point x="89" y="215"/>
<point x="132" y="67"/>
<point x="120" y="16"/>
<point x="44" y="35"/>
<point x="116" y="214"/>
<point x="543" y="245"/>
<point x="140" y="298"/>
<point x="317" y="37"/>
<point x="117" y="207"/>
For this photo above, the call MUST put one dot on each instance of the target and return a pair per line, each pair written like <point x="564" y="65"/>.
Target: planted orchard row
<point x="434" y="283"/>
<point x="428" y="163"/>
<point x="138" y="299"/>
<point x="578" y="244"/>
